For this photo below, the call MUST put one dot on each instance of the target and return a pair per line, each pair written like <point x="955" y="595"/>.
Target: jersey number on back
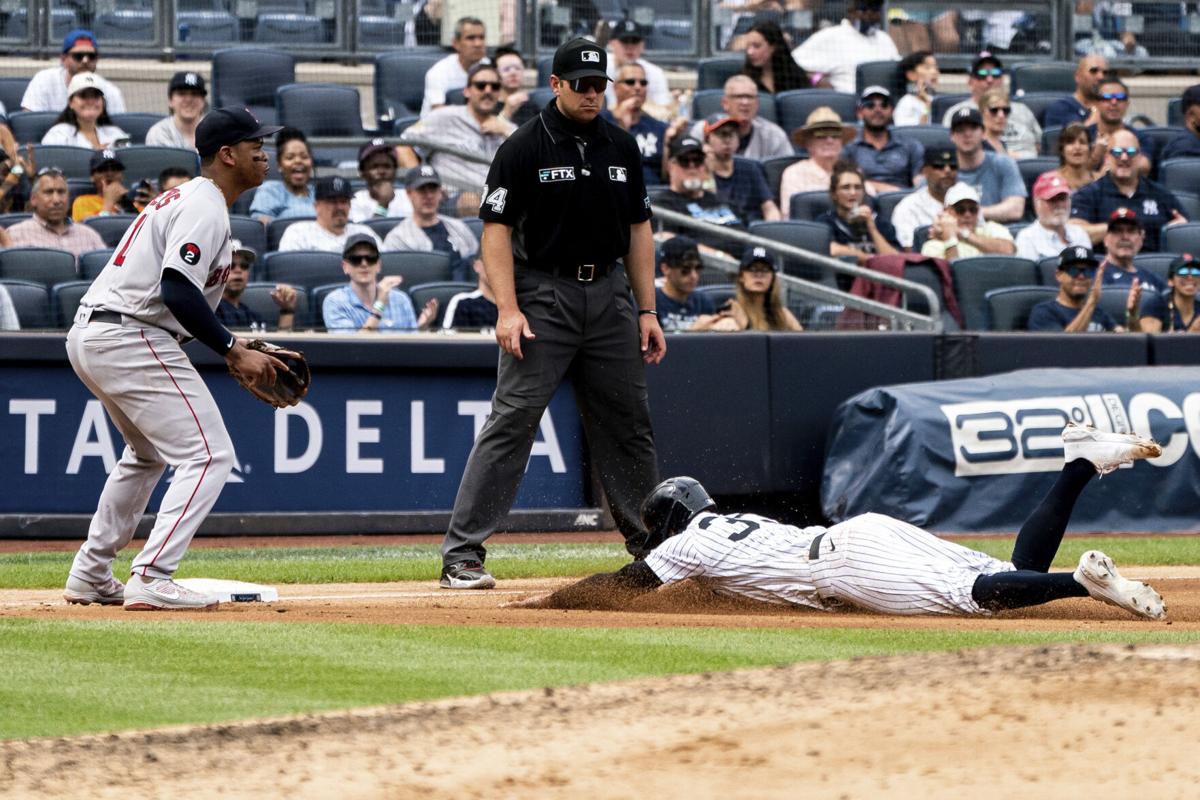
<point x="734" y="527"/>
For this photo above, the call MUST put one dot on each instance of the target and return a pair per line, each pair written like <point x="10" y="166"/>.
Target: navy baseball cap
<point x="105" y="159"/>
<point x="941" y="157"/>
<point x="628" y="31"/>
<point x="79" y="34"/>
<point x="580" y="58"/>
<point x="756" y="253"/>
<point x="1189" y="98"/>
<point x="187" y="82"/>
<point x="333" y="187"/>
<point x="1077" y="255"/>
<point x="986" y="57"/>
<point x="1184" y="260"/>
<point x="225" y="127"/>
<point x="679" y="250"/>
<point x="966" y="116"/>
<point x="1124" y="216"/>
<point x="375" y="146"/>
<point x="423" y="175"/>
<point x="688" y="144"/>
<point x="357" y="239"/>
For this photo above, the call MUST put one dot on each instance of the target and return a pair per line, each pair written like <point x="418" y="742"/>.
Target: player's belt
<point x="584" y="273"/>
<point x="814" y="549"/>
<point x="117" y="318"/>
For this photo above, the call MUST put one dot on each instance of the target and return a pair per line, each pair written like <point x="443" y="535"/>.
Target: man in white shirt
<point x="837" y="51"/>
<point x="187" y="97"/>
<point x="626" y="46"/>
<point x="332" y="227"/>
<point x="1052" y="233"/>
<point x="47" y="90"/>
<point x="758" y="138"/>
<point x="470" y="47"/>
<point x="923" y="206"/>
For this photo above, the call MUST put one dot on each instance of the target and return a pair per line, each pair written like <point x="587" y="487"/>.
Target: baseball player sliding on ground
<point x="158" y="289"/>
<point x="872" y="561"/>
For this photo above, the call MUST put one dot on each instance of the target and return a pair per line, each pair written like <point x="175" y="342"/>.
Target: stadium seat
<point x="377" y="32"/>
<point x="289" y="29"/>
<point x="931" y="137"/>
<point x="545" y="64"/>
<point x="719" y="294"/>
<point x="441" y="291"/>
<point x="811" y="236"/>
<point x="32" y="303"/>
<point x="809" y="205"/>
<point x="8" y="220"/>
<point x="1008" y="308"/>
<point x="383" y="225"/>
<point x="250" y="232"/>
<point x="257" y="296"/>
<point x="64" y="300"/>
<point x="880" y="73"/>
<point x="886" y="203"/>
<point x="541" y="96"/>
<point x="1182" y="238"/>
<point x="793" y="107"/>
<point x="476" y="226"/>
<point x="207" y="27"/>
<point x="975" y="277"/>
<point x="124" y="25"/>
<point x="1031" y="168"/>
<point x="62" y="21"/>
<point x="316" y="303"/>
<point x="320" y="109"/>
<point x="249" y="76"/>
<point x="708" y="102"/>
<point x="276" y="228"/>
<point x="1189" y="204"/>
<point x="1050" y="140"/>
<point x="303" y="268"/>
<point x="28" y="127"/>
<point x="711" y="73"/>
<point x="111" y="228"/>
<point x="1114" y="299"/>
<point x="400" y="83"/>
<point x="1159" y="135"/>
<point x="920" y="236"/>
<point x="145" y="162"/>
<point x="1038" y="102"/>
<point x="943" y="103"/>
<point x="12" y="90"/>
<point x="1175" y="112"/>
<point x="415" y="266"/>
<point x="1045" y="76"/>
<point x="1180" y="174"/>
<point x="91" y="262"/>
<point x="77" y="187"/>
<point x="1047" y="269"/>
<point x="773" y="169"/>
<point x="75" y="162"/>
<point x="137" y="125"/>
<point x="40" y="264"/>
<point x="926" y="276"/>
<point x="1158" y="263"/>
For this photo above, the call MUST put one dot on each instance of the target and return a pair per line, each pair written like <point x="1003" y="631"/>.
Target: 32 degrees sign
<point x="1005" y="437"/>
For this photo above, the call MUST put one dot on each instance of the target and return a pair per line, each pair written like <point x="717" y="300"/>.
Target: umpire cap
<point x="580" y="58"/>
<point x="670" y="506"/>
<point x="225" y="127"/>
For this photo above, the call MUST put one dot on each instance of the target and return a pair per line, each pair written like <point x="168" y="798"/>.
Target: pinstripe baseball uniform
<point x="871" y="561"/>
<point x="125" y="348"/>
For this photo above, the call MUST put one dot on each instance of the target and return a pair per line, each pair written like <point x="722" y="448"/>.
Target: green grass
<point x="109" y="676"/>
<point x="277" y="565"/>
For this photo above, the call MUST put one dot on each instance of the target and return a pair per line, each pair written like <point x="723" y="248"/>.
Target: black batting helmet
<point x="670" y="506"/>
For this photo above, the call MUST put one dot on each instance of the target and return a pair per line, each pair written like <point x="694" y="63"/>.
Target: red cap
<point x="1050" y="184"/>
<point x="1124" y="214"/>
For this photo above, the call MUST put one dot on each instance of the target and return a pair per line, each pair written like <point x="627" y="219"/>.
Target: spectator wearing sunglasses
<point x="680" y="306"/>
<point x="758" y="138"/>
<point x="1121" y="186"/>
<point x="1022" y="134"/>
<point x="627" y="45"/>
<point x="650" y="134"/>
<point x="1112" y="105"/>
<point x="890" y="163"/>
<point x="474" y="126"/>
<point x="1082" y="105"/>
<point x="233" y="313"/>
<point x="996" y="108"/>
<point x="834" y="53"/>
<point x="960" y="232"/>
<point x="822" y="137"/>
<point x="367" y="303"/>
<point x="688" y="174"/>
<point x="922" y="206"/>
<point x="1186" y="144"/>
<point x="1174" y="311"/>
<point x="47" y="90"/>
<point x="1123" y="240"/>
<point x="1076" y="307"/>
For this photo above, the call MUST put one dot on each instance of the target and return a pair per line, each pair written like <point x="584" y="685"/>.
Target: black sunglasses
<point x="688" y="269"/>
<point x="1006" y="110"/>
<point x="693" y="161"/>
<point x="635" y="81"/>
<point x="87" y="55"/>
<point x="362" y="259"/>
<point x="582" y="85"/>
<point x="482" y="85"/>
<point x="1077" y="271"/>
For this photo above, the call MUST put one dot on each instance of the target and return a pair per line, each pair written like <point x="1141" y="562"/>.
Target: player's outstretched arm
<point x="606" y="591"/>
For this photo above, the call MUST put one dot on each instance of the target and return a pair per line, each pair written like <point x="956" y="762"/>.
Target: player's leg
<point x="501" y="451"/>
<point x="1042" y="532"/>
<point x="610" y="388"/>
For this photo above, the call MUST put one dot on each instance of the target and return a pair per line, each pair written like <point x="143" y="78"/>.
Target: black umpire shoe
<point x="466" y="575"/>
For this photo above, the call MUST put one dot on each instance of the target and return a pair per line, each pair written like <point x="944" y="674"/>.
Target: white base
<point x="232" y="591"/>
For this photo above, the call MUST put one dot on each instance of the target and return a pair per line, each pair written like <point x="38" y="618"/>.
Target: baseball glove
<point x="290" y="385"/>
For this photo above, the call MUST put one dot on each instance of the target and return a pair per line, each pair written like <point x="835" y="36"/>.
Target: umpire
<point x="564" y="199"/>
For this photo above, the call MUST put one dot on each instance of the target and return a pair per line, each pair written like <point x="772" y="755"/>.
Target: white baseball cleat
<point x="107" y="593"/>
<point x="1106" y="451"/>
<point x="1098" y="574"/>
<point x="164" y="594"/>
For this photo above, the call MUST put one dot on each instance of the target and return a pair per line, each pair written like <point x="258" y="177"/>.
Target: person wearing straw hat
<point x="823" y="136"/>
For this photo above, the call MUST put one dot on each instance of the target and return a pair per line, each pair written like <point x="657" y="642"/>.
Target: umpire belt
<point x="117" y="318"/>
<point x="584" y="273"/>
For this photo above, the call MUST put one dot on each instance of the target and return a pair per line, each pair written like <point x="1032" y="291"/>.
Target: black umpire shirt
<point x="570" y="192"/>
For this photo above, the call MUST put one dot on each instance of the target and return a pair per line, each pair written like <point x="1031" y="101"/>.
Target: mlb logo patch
<point x="590" y="55"/>
<point x="617" y="174"/>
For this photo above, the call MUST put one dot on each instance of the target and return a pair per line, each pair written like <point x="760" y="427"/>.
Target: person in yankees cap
<point x="187" y="99"/>
<point x="566" y="216"/>
<point x="1076" y="309"/>
<point x="157" y="291"/>
<point x="871" y="561"/>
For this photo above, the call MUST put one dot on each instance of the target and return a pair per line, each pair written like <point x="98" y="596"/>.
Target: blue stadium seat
<point x="773" y="168"/>
<point x="794" y="107"/>
<point x="1043" y="76"/>
<point x="383" y="225"/>
<point x="303" y="268"/>
<point x="28" y="127"/>
<point x="1038" y="102"/>
<point x="276" y="228"/>
<point x="400" y="82"/>
<point x="320" y="109"/>
<point x="75" y="162"/>
<point x="91" y="262"/>
<point x="124" y="25"/>
<point x="39" y="264"/>
<point x="1158" y="263"/>
<point x="111" y="228"/>
<point x="886" y="203"/>
<point x="250" y="232"/>
<point x="1175" y="112"/>
<point x="207" y="27"/>
<point x="1180" y="174"/>
<point x="880" y="73"/>
<point x="711" y="73"/>
<point x="257" y="296"/>
<point x="64" y="300"/>
<point x="31" y="301"/>
<point x="289" y="29"/>
<point x="975" y="277"/>
<point x="1182" y="238"/>
<point x="1008" y="308"/>
<point x="375" y="32"/>
<point x="249" y="76"/>
<point x="7" y="220"/>
<point x="416" y="267"/>
<point x="12" y="90"/>
<point x="136" y="124"/>
<point x="943" y="103"/>
<point x="930" y="136"/>
<point x="812" y="236"/>
<point x="62" y="21"/>
<point x="441" y="291"/>
<point x="1050" y="140"/>
<point x="145" y="162"/>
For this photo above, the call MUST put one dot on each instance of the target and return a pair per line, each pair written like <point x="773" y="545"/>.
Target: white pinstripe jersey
<point x="742" y="554"/>
<point x="185" y="228"/>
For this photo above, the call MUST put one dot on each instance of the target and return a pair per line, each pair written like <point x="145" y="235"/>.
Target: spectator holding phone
<point x="921" y="73"/>
<point x="111" y="195"/>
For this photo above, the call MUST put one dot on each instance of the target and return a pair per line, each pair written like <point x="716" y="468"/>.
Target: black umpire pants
<point x="587" y="331"/>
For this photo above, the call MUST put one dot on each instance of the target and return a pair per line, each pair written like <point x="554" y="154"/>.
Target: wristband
<point x="648" y="311"/>
<point x="379" y="306"/>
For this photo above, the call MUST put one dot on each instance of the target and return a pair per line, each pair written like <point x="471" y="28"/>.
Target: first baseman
<point x="157" y="291"/>
<point x="872" y="561"/>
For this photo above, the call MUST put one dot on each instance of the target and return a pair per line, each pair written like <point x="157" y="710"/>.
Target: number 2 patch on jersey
<point x="190" y="253"/>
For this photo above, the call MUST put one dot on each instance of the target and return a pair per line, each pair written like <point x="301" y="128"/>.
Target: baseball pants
<point x="588" y="332"/>
<point x="167" y="417"/>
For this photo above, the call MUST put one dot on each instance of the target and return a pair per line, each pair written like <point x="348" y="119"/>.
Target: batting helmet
<point x="670" y="506"/>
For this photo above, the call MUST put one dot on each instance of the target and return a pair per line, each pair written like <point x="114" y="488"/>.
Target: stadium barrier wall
<point x="380" y="444"/>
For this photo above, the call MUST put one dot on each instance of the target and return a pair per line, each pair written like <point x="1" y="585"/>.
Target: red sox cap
<point x="224" y="127"/>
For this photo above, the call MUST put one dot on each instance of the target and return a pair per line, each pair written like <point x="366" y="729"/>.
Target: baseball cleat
<point x="107" y="593"/>
<point x="466" y="575"/>
<point x="164" y="594"/>
<point x="1106" y="451"/>
<point x="1098" y="574"/>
